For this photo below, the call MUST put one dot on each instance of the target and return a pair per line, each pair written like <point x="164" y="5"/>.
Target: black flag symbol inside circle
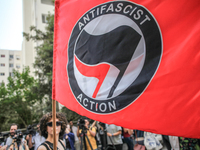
<point x="113" y="55"/>
<point x="116" y="44"/>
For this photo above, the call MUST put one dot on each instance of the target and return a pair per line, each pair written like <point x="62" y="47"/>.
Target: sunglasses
<point x="50" y="124"/>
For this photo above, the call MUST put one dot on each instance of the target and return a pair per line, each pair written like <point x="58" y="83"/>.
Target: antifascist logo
<point x="113" y="53"/>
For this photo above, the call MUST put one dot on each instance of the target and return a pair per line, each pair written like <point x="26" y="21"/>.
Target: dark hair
<point x="71" y="129"/>
<point x="86" y="118"/>
<point x="13" y="124"/>
<point x="46" y="118"/>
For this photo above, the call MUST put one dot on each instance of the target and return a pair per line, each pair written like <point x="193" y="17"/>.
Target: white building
<point x="9" y="60"/>
<point x="34" y="14"/>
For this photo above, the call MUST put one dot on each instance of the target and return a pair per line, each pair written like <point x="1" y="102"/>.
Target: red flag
<point x="131" y="63"/>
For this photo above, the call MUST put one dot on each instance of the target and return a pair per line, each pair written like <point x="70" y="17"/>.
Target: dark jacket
<point x="71" y="139"/>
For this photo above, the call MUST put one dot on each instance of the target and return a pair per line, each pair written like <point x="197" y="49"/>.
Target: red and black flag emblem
<point x="110" y="55"/>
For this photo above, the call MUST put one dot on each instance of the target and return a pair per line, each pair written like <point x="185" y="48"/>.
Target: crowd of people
<point x="95" y="136"/>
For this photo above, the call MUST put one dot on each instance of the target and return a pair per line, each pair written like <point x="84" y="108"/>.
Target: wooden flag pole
<point x="54" y="124"/>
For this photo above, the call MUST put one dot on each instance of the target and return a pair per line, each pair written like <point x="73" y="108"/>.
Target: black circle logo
<point x="113" y="53"/>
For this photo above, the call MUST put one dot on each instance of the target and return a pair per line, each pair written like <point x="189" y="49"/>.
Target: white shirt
<point x="74" y="130"/>
<point x="9" y="141"/>
<point x="37" y="139"/>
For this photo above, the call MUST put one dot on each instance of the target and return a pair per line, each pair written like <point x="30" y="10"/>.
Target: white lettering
<point x="119" y="6"/>
<point x="80" y="24"/>
<point x="138" y="15"/>
<point x="112" y="105"/>
<point x="80" y="97"/>
<point x="86" y="18"/>
<point x="85" y="99"/>
<point x="102" y="107"/>
<point x="128" y="6"/>
<point x="133" y="11"/>
<point x="146" y="18"/>
<point x="103" y="8"/>
<point x="97" y="11"/>
<point x="110" y="8"/>
<point x="92" y="103"/>
<point x="92" y="12"/>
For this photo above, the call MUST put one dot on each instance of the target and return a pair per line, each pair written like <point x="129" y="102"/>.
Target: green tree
<point x="44" y="63"/>
<point x="71" y="115"/>
<point x="17" y="100"/>
<point x="44" y="59"/>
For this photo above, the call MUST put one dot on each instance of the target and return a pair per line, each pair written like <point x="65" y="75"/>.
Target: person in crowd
<point x="174" y="142"/>
<point x="12" y="142"/>
<point x="46" y="129"/>
<point x="91" y="133"/>
<point x="166" y="142"/>
<point x="13" y="129"/>
<point x="27" y="141"/>
<point x="24" y="146"/>
<point x="3" y="147"/>
<point x="97" y="137"/>
<point x="152" y="141"/>
<point x="114" y="137"/>
<point x="188" y="143"/>
<point x="127" y="133"/>
<point x="69" y="138"/>
<point x="2" y="144"/>
<point x="26" y="138"/>
<point x="74" y="129"/>
<point x="36" y="140"/>
<point x="102" y="135"/>
<point x="139" y="137"/>
<point x="13" y="146"/>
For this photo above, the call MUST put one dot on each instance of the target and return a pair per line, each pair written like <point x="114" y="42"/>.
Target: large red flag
<point x="132" y="63"/>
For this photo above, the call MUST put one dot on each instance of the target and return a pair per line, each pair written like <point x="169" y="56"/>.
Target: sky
<point x="11" y="24"/>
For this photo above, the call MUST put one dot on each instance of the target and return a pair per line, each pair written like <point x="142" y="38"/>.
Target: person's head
<point x="46" y="124"/>
<point x="68" y="128"/>
<point x="26" y="137"/>
<point x="71" y="123"/>
<point x="13" y="129"/>
<point x="38" y="127"/>
<point x="87" y="122"/>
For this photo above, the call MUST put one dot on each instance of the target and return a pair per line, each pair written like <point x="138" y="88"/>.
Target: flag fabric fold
<point x="132" y="63"/>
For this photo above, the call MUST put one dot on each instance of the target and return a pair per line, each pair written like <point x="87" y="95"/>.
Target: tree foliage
<point x="44" y="63"/>
<point x="71" y="115"/>
<point x="44" y="59"/>
<point x="17" y="100"/>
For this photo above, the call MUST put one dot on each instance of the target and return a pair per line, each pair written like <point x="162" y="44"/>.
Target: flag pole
<point x="54" y="123"/>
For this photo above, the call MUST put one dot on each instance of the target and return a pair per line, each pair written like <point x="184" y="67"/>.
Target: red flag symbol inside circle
<point x="118" y="58"/>
<point x="108" y="55"/>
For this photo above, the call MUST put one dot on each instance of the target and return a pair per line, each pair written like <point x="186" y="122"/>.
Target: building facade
<point x="9" y="60"/>
<point x="34" y="14"/>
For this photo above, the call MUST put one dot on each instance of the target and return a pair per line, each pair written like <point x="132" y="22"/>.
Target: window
<point x="18" y="57"/>
<point x="11" y="74"/>
<point x="10" y="65"/>
<point x="47" y="2"/>
<point x="2" y="65"/>
<point x="17" y="66"/>
<point x="11" y="56"/>
<point x="3" y="55"/>
<point x="2" y="74"/>
<point x="44" y="18"/>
